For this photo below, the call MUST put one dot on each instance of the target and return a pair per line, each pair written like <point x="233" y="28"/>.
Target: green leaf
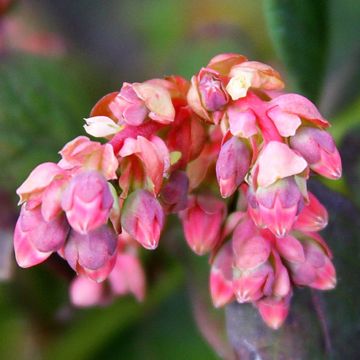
<point x="299" y="31"/>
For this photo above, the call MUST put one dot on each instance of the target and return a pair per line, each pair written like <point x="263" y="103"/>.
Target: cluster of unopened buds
<point x="230" y="153"/>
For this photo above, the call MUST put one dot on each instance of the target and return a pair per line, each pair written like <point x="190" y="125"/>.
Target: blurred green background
<point x="58" y="57"/>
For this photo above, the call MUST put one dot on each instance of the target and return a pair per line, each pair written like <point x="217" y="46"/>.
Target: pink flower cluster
<point x="230" y="139"/>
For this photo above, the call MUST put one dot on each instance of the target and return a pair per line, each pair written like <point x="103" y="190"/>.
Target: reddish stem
<point x="267" y="127"/>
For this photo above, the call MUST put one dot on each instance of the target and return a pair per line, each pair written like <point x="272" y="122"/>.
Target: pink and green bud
<point x="318" y="148"/>
<point x="313" y="217"/>
<point x="174" y="194"/>
<point x="232" y="165"/>
<point x="277" y="206"/>
<point x="138" y="101"/>
<point x="87" y="201"/>
<point x="143" y="218"/>
<point x="35" y="239"/>
<point x="221" y="286"/>
<point x="92" y="254"/>
<point x="274" y="310"/>
<point x="202" y="222"/>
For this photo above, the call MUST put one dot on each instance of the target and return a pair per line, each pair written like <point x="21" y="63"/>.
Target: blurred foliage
<point x="42" y="103"/>
<point x="299" y="29"/>
<point x="43" y="100"/>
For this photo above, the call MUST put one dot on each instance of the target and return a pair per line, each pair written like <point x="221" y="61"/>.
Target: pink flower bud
<point x="174" y="193"/>
<point x="87" y="201"/>
<point x="202" y="222"/>
<point x="221" y="287"/>
<point x="252" y="74"/>
<point x="252" y="284"/>
<point x="318" y="148"/>
<point x="223" y="63"/>
<point x="128" y="276"/>
<point x="143" y="218"/>
<point x="232" y="165"/>
<point x="276" y="206"/>
<point x="290" y="249"/>
<point x="92" y="254"/>
<point x="250" y="247"/>
<point x="207" y="93"/>
<point x="277" y="161"/>
<point x="154" y="156"/>
<point x="81" y="153"/>
<point x="85" y="292"/>
<point x="128" y="107"/>
<point x="313" y="217"/>
<point x="317" y="270"/>
<point x="38" y="180"/>
<point x="36" y="239"/>
<point x="135" y="102"/>
<point x="274" y="310"/>
<point x="297" y="105"/>
<point x="212" y="90"/>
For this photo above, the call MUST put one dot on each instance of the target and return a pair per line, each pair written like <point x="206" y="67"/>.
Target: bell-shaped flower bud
<point x="313" y="217"/>
<point x="290" y="249"/>
<point x="207" y="93"/>
<point x="253" y="273"/>
<point x="87" y="201"/>
<point x="129" y="107"/>
<point x="318" y="148"/>
<point x="38" y="180"/>
<point x="276" y="206"/>
<point x="241" y="119"/>
<point x="223" y="63"/>
<point x="252" y="74"/>
<point x="202" y="222"/>
<point x="128" y="276"/>
<point x="136" y="102"/>
<point x="143" y="218"/>
<point x="212" y="91"/>
<point x="317" y="271"/>
<point x="286" y="110"/>
<point x="36" y="239"/>
<point x="277" y="161"/>
<point x="85" y="292"/>
<point x="154" y="156"/>
<point x="82" y="153"/>
<point x="174" y="194"/>
<point x="274" y="310"/>
<point x="221" y="287"/>
<point x="252" y="284"/>
<point x="232" y="165"/>
<point x="92" y="254"/>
